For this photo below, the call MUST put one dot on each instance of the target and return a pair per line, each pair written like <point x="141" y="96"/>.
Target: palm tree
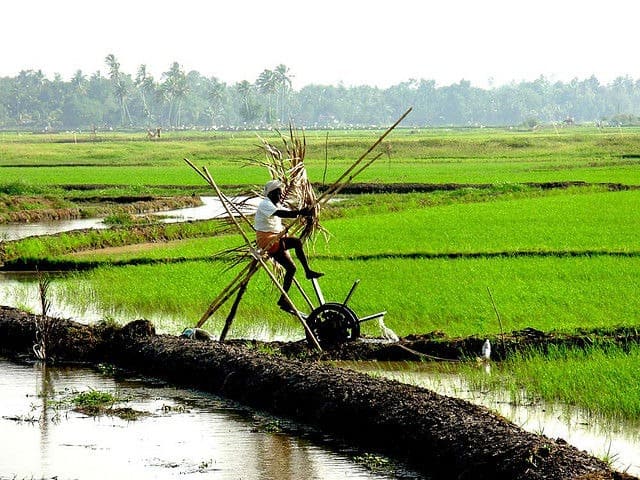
<point x="267" y="84"/>
<point x="215" y="96"/>
<point x="120" y="88"/>
<point x="79" y="83"/>
<point x="175" y="89"/>
<point x="248" y="106"/>
<point x="144" y="84"/>
<point x="283" y="86"/>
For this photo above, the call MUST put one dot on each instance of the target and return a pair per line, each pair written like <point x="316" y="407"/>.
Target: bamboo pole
<point x="207" y="176"/>
<point x="222" y="296"/>
<point x="329" y="191"/>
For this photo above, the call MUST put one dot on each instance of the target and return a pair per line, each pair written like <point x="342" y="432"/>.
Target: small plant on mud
<point x="119" y="219"/>
<point x="125" y="219"/>
<point x="107" y="368"/>
<point x="93" y="401"/>
<point x="45" y="325"/>
<point x="263" y="348"/>
<point x="373" y="462"/>
<point x="609" y="457"/>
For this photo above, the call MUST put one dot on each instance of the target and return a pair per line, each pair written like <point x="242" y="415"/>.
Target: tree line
<point x="179" y="99"/>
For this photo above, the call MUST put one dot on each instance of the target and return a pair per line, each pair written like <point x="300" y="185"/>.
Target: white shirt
<point x="265" y="220"/>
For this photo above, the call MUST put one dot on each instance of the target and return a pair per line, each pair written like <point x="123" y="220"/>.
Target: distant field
<point x="431" y="156"/>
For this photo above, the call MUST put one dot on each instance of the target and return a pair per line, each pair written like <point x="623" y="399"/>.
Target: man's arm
<point x="293" y="213"/>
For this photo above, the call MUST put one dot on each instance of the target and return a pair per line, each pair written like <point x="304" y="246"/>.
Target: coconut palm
<point x="215" y="96"/>
<point x="267" y="84"/>
<point x="249" y="110"/>
<point x="174" y="89"/>
<point x="120" y="87"/>
<point x="283" y="85"/>
<point x="144" y="83"/>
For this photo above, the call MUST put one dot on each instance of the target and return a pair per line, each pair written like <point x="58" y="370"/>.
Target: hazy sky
<point x="325" y="42"/>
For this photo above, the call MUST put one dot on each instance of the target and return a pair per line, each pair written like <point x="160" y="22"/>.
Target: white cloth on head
<point x="271" y="185"/>
<point x="265" y="220"/>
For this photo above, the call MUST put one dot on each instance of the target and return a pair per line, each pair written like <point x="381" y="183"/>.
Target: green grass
<point x="599" y="381"/>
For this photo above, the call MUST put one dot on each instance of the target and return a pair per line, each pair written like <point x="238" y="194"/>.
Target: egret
<point x="387" y="333"/>
<point x="486" y="350"/>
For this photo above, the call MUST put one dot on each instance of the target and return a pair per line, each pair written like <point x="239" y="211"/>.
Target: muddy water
<point x="605" y="439"/>
<point x="15" y="231"/>
<point x="184" y="434"/>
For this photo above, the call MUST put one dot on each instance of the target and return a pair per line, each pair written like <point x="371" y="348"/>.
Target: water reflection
<point x="187" y="434"/>
<point x="617" y="441"/>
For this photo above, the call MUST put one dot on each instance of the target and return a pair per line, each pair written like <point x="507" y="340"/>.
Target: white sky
<point x="329" y="41"/>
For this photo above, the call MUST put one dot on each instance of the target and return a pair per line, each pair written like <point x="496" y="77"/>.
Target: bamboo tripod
<point x="259" y="258"/>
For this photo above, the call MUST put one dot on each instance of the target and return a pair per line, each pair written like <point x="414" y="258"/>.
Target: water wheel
<point x="333" y="324"/>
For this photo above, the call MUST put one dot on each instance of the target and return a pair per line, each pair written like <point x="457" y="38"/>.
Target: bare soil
<point x="442" y="436"/>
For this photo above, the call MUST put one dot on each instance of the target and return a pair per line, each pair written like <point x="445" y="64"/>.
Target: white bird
<point x="387" y="333"/>
<point x="486" y="350"/>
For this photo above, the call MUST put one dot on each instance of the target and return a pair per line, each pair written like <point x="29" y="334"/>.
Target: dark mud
<point x="444" y="437"/>
<point x="437" y="346"/>
<point x="361" y="188"/>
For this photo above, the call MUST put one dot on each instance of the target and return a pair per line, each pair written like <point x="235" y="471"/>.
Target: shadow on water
<point x="617" y="441"/>
<point x="183" y="434"/>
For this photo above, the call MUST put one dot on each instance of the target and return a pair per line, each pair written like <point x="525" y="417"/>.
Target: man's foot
<point x="285" y="306"/>
<point x="311" y="275"/>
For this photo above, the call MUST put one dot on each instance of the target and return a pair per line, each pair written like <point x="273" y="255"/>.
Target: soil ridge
<point x="442" y="436"/>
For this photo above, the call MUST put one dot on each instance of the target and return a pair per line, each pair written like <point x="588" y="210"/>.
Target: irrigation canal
<point x="180" y="434"/>
<point x="211" y="208"/>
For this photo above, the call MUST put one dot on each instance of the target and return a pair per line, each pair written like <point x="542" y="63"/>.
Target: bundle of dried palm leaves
<point x="285" y="164"/>
<point x="288" y="167"/>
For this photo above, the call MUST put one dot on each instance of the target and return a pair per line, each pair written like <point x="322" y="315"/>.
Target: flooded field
<point x="615" y="441"/>
<point x="188" y="434"/>
<point x="181" y="434"/>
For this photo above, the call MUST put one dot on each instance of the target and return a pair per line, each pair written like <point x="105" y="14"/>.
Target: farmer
<point x="268" y="224"/>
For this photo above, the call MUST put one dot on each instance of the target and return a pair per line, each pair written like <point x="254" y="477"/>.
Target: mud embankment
<point x="437" y="346"/>
<point x="362" y="188"/>
<point x="442" y="436"/>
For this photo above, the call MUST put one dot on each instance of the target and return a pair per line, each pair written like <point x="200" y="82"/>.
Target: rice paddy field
<point x="553" y="257"/>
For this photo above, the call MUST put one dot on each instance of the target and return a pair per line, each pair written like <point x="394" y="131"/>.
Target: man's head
<point x="273" y="190"/>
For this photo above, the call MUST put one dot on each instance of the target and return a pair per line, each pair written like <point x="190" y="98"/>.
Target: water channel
<point x="619" y="442"/>
<point x="211" y="208"/>
<point x="181" y="434"/>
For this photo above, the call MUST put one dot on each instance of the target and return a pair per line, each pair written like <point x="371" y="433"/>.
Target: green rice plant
<point x="546" y="293"/>
<point x="600" y="380"/>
